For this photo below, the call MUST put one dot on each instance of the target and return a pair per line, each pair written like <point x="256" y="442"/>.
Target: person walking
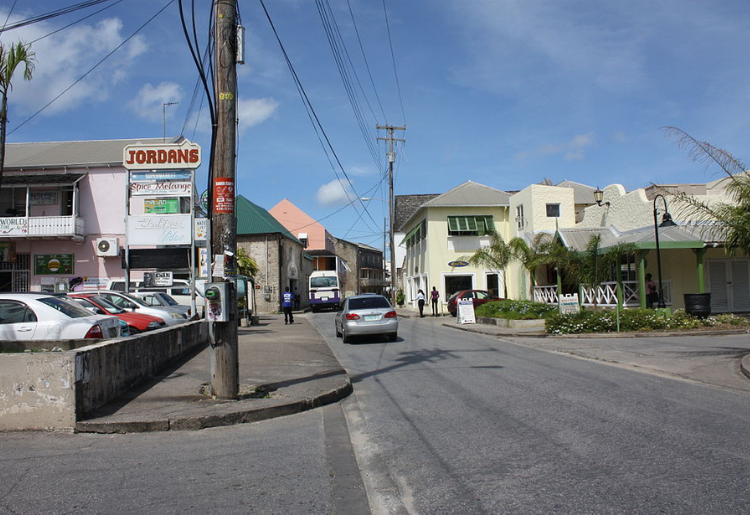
<point x="297" y="299"/>
<point x="287" y="301"/>
<point x="420" y="303"/>
<point x="434" y="296"/>
<point x="652" y="296"/>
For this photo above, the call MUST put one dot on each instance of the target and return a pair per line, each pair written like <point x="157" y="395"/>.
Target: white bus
<point x="325" y="287"/>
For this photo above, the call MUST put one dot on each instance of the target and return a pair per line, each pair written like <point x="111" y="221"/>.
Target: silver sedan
<point x="365" y="315"/>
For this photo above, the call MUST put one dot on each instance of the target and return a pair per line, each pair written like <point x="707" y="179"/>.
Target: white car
<point x="43" y="316"/>
<point x="130" y="302"/>
<point x="159" y="299"/>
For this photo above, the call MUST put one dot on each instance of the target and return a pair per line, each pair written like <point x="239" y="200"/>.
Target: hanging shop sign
<point x="162" y="157"/>
<point x="159" y="230"/>
<point x="457" y="264"/>
<point x="176" y="188"/>
<point x="54" y="264"/>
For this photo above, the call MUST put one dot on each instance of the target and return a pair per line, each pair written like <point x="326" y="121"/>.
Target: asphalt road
<point x="453" y="422"/>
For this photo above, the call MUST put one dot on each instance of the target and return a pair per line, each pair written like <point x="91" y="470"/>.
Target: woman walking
<point x="420" y="303"/>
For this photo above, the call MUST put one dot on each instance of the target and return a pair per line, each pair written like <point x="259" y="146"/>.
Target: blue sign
<point x="455" y="264"/>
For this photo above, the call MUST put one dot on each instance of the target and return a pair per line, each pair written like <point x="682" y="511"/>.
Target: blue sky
<point x="506" y="93"/>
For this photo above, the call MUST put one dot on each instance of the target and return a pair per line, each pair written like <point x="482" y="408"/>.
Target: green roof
<point x="253" y="219"/>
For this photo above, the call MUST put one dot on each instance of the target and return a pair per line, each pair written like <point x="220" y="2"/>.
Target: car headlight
<point x="176" y="315"/>
<point x="153" y="325"/>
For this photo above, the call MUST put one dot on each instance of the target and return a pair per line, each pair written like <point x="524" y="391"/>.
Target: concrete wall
<point x="53" y="390"/>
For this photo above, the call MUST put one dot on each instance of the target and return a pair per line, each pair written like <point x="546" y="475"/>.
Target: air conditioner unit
<point x="107" y="247"/>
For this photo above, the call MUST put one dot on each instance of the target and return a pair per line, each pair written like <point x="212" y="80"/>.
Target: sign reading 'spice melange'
<point x="170" y="156"/>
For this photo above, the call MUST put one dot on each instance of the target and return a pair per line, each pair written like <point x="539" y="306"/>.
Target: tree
<point x="530" y="256"/>
<point x="727" y="221"/>
<point x="245" y="264"/>
<point x="10" y="59"/>
<point x="496" y="256"/>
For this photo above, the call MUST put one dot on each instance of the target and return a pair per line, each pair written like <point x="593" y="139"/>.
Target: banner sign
<point x="54" y="264"/>
<point x="159" y="230"/>
<point x="162" y="206"/>
<point x="172" y="175"/>
<point x="162" y="157"/>
<point x="14" y="226"/>
<point x="223" y="195"/>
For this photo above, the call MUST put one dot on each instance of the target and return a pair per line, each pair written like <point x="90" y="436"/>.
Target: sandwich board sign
<point x="466" y="311"/>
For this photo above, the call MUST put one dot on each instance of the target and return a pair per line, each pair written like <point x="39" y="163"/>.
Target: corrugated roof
<point x="470" y="194"/>
<point x="253" y="219"/>
<point x="61" y="154"/>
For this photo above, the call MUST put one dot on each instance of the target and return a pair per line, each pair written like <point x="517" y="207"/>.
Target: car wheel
<point x="133" y="330"/>
<point x="392" y="337"/>
<point x="346" y="338"/>
<point x="338" y="333"/>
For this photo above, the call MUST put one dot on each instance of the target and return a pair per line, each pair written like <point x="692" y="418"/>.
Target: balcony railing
<point x="604" y="295"/>
<point x="43" y="227"/>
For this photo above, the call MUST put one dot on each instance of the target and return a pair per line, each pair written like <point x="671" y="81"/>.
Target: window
<point x="519" y="217"/>
<point x="470" y="225"/>
<point x="553" y="210"/>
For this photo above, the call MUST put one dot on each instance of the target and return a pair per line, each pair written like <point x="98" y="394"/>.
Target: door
<point x="17" y="321"/>
<point x="729" y="284"/>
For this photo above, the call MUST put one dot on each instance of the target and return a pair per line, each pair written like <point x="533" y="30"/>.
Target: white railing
<point x="605" y="295"/>
<point x="56" y="226"/>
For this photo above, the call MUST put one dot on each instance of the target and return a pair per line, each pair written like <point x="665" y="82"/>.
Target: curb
<point x="235" y="416"/>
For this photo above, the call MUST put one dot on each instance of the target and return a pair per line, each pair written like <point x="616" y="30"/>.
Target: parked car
<point x="159" y="299"/>
<point x="365" y="315"/>
<point x="478" y="296"/>
<point x="136" y="322"/>
<point x="180" y="291"/>
<point x="130" y="302"/>
<point x="44" y="316"/>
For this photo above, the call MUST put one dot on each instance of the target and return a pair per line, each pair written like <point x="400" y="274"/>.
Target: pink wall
<point x="297" y="221"/>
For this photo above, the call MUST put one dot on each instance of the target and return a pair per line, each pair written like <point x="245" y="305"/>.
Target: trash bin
<point x="698" y="304"/>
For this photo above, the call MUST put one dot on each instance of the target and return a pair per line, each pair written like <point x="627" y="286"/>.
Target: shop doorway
<point x="454" y="283"/>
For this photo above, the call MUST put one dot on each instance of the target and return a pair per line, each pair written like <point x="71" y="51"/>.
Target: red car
<point x="478" y="296"/>
<point x="137" y="322"/>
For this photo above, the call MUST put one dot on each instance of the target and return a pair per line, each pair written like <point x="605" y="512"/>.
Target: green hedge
<point x="633" y="320"/>
<point x="516" y="310"/>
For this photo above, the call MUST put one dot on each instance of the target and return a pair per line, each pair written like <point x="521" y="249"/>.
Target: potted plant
<point x="400" y="298"/>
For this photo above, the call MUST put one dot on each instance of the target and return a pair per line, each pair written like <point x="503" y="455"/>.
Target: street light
<point x="164" y="116"/>
<point x="666" y="221"/>
<point x="599" y="196"/>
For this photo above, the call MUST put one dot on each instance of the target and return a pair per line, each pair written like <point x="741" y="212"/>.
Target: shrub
<point x="515" y="310"/>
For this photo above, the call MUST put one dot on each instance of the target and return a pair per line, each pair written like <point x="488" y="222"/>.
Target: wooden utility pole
<point x="224" y="348"/>
<point x="391" y="201"/>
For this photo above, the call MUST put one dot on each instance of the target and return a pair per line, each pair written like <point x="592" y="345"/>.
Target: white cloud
<point x="334" y="194"/>
<point x="149" y="103"/>
<point x="63" y="58"/>
<point x="254" y="111"/>
<point x="573" y="150"/>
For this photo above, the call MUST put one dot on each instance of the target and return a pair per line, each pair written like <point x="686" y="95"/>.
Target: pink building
<point x="318" y="242"/>
<point x="63" y="214"/>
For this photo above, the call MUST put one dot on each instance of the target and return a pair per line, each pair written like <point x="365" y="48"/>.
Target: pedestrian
<point x="652" y="296"/>
<point x="420" y="303"/>
<point x="434" y="295"/>
<point x="286" y="303"/>
<point x="297" y="299"/>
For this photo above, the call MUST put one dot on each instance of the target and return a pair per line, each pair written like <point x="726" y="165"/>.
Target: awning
<point x="40" y="179"/>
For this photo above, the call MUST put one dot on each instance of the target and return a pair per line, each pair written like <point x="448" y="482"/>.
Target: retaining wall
<point x="53" y="390"/>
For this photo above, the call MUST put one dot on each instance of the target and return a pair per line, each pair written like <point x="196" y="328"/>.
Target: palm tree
<point x="10" y="59"/>
<point x="725" y="221"/>
<point x="496" y="256"/>
<point x="245" y="264"/>
<point x="530" y="256"/>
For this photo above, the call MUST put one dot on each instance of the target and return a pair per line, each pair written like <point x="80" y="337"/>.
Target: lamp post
<point x="164" y="116"/>
<point x="666" y="221"/>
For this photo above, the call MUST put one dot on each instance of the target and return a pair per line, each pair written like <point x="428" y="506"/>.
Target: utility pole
<point x="391" y="200"/>
<point x="223" y="335"/>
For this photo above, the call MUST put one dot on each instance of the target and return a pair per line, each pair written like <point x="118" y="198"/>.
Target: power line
<point x="393" y="59"/>
<point x="92" y="68"/>
<point x="52" y="14"/>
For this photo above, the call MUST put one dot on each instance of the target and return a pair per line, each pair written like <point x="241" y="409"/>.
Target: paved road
<point x="454" y="422"/>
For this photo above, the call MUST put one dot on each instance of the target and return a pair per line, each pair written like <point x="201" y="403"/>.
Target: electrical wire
<point x="393" y="59"/>
<point x="314" y="119"/>
<point x="76" y="22"/>
<point x="52" y="14"/>
<point x="10" y="11"/>
<point x="92" y="68"/>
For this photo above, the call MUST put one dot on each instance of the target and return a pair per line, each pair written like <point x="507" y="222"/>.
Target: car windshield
<point x="323" y="282"/>
<point x="109" y="306"/>
<point x="65" y="306"/>
<point x="369" y="302"/>
<point x="169" y="301"/>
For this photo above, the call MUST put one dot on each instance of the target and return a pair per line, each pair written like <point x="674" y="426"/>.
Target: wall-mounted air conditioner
<point x="107" y="247"/>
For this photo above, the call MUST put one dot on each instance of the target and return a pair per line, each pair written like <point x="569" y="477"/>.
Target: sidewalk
<point x="283" y="369"/>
